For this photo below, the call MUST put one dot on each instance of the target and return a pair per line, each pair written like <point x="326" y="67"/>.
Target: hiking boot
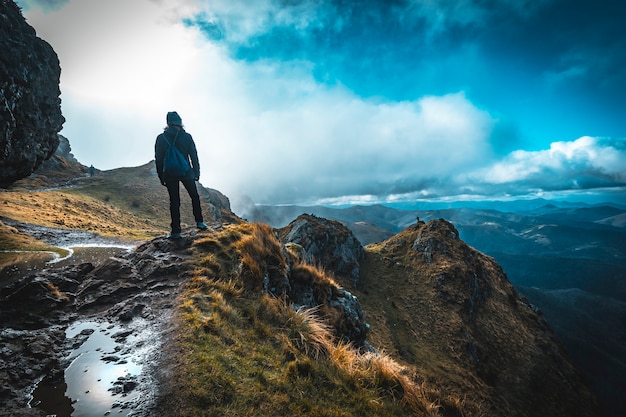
<point x="174" y="235"/>
<point x="202" y="225"/>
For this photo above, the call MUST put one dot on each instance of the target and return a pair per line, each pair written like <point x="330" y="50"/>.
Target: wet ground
<point x="95" y="350"/>
<point x="65" y="238"/>
<point x="17" y="264"/>
<point x="107" y="371"/>
<point x="82" y="246"/>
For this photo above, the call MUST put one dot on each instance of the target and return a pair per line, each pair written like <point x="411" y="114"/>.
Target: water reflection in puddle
<point x="16" y="264"/>
<point x="102" y="376"/>
<point x="95" y="254"/>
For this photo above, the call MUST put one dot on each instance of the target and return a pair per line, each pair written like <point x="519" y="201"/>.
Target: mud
<point x="85" y="337"/>
<point x="66" y="238"/>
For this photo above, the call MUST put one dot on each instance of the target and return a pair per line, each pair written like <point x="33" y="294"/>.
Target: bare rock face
<point x="30" y="106"/>
<point x="326" y="242"/>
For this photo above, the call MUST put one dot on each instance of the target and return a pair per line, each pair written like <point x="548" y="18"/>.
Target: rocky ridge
<point x="450" y="310"/>
<point x="37" y="309"/>
<point x="30" y="105"/>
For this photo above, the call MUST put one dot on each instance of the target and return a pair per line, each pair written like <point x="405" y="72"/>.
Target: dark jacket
<point x="184" y="143"/>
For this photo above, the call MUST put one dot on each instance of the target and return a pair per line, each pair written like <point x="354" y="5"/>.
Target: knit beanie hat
<point x="173" y="119"/>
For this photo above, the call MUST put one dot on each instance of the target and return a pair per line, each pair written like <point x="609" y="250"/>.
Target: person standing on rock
<point x="174" y="134"/>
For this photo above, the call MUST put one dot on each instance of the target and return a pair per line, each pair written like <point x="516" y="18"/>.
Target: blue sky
<point x="353" y="102"/>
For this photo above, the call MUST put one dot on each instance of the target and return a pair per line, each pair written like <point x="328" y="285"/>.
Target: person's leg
<point x="190" y="185"/>
<point x="173" y="190"/>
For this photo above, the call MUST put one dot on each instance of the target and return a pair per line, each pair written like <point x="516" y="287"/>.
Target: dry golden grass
<point x="250" y="353"/>
<point x="70" y="210"/>
<point x="127" y="203"/>
<point x="261" y="254"/>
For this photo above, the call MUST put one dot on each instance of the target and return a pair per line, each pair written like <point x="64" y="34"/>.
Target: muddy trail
<point x="84" y="337"/>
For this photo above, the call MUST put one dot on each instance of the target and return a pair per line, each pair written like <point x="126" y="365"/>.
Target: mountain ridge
<point x="459" y="367"/>
<point x="545" y="249"/>
<point x="459" y="286"/>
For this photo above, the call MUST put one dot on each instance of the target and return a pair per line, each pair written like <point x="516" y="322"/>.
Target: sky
<point x="352" y="102"/>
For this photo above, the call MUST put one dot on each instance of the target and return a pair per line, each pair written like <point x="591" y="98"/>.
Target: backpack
<point x="175" y="165"/>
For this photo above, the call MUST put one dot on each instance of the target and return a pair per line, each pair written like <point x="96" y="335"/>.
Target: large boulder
<point x="30" y="104"/>
<point x="328" y="243"/>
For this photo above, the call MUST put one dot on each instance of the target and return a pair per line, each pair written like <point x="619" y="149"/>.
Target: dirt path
<point x="92" y="332"/>
<point x="65" y="238"/>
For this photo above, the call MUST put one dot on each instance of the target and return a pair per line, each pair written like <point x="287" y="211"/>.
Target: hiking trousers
<point x="173" y="189"/>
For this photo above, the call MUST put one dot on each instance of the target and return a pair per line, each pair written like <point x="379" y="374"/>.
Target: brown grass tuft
<point x="261" y="256"/>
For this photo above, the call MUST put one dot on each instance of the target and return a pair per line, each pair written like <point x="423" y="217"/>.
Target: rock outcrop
<point x="326" y="242"/>
<point x="61" y="169"/>
<point x="30" y="104"/>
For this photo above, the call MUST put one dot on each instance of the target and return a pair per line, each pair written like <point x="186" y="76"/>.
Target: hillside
<point x="458" y="317"/>
<point x="244" y="319"/>
<point x="126" y="203"/>
<point x="568" y="259"/>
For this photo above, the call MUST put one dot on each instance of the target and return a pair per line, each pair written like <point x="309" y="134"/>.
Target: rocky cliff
<point x="326" y="242"/>
<point x="451" y="312"/>
<point x="30" y="107"/>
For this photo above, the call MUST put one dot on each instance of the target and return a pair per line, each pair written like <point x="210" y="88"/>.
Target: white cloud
<point x="268" y="129"/>
<point x="333" y="143"/>
<point x="590" y="160"/>
<point x="118" y="50"/>
<point x="241" y="20"/>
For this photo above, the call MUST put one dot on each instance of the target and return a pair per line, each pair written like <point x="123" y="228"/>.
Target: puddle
<point x="95" y="254"/>
<point x="16" y="264"/>
<point x="104" y="372"/>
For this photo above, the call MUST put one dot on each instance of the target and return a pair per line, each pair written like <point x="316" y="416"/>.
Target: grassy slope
<point x="125" y="203"/>
<point x="518" y="370"/>
<point x="242" y="353"/>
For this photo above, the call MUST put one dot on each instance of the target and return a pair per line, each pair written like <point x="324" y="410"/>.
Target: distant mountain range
<point x="569" y="259"/>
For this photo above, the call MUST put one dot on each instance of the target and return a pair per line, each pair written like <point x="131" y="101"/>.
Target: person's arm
<point x="193" y="155"/>
<point x="159" y="152"/>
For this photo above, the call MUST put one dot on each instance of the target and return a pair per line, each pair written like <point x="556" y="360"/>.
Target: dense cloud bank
<point x="308" y="101"/>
